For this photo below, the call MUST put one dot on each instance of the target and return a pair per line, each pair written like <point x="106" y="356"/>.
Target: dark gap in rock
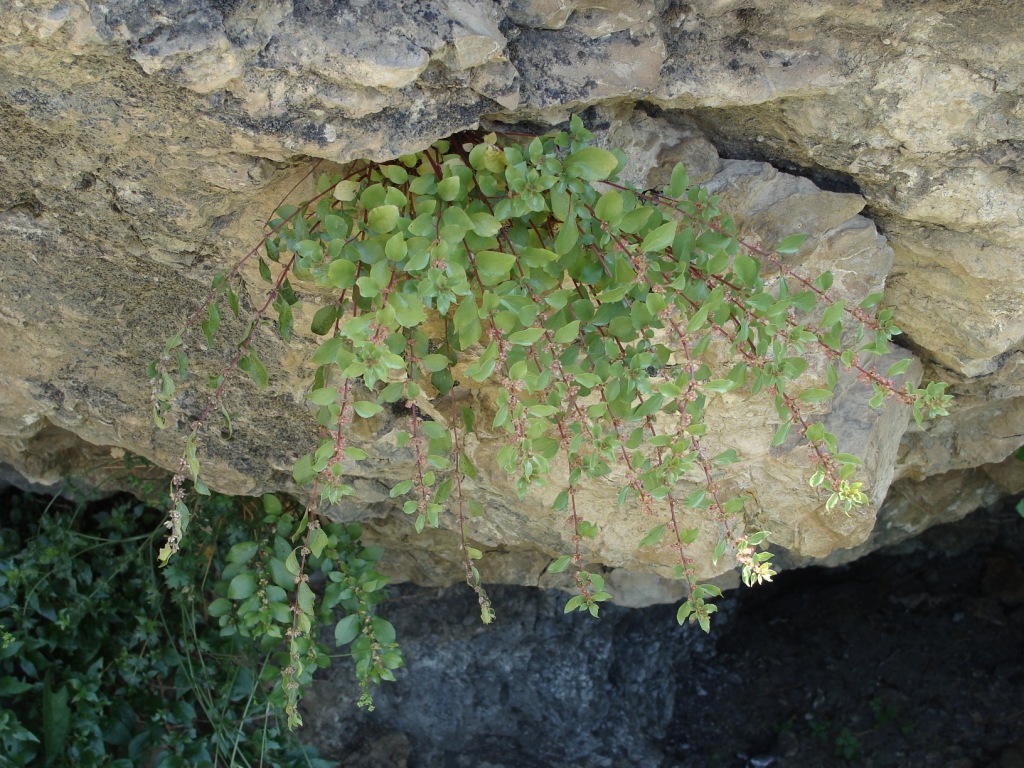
<point x="909" y="656"/>
<point x="737" y="139"/>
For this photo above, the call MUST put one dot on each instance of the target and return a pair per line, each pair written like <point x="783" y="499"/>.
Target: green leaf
<point x="688" y="535"/>
<point x="832" y="315"/>
<point x="305" y="598"/>
<point x="219" y="607"/>
<point x="346" y="191"/>
<point x="537" y="257"/>
<point x="494" y="266"/>
<point x="747" y="269"/>
<point x="396" y="174"/>
<point x="591" y="163"/>
<point x="568" y="333"/>
<point x="448" y="189"/>
<point x="435" y="362"/>
<point x="243" y="585"/>
<point x="815" y="395"/>
<point x="408" y="309"/>
<point x="383" y="630"/>
<point x="396" y="248"/>
<point x="659" y="238"/>
<point x="781" y="434"/>
<point x="484" y="224"/>
<point x="342" y="273"/>
<point x="327" y="352"/>
<point x="526" y="337"/>
<point x="252" y="366"/>
<point x="366" y="408"/>
<point x="791" y="244"/>
<point x="347" y="630"/>
<point x="317" y="541"/>
<point x="423" y="225"/>
<point x="719" y="385"/>
<point x="324" y="319"/>
<point x="568" y="235"/>
<point x="211" y="323"/>
<point x="383" y="218"/>
<point x="871" y="300"/>
<point x="653" y="536"/>
<point x="719" y="551"/>
<point x="323" y="396"/>
<point x="484" y="367"/>
<point x="899" y="368"/>
<point x="309" y="250"/>
<point x="302" y="470"/>
<point x="560" y="564"/>
<point x="697" y="319"/>
<point x="679" y="182"/>
<point x="271" y="504"/>
<point x="401" y="489"/>
<point x="242" y="552"/>
<point x="609" y="207"/>
<point x="728" y="456"/>
<point x="543" y="410"/>
<point x="697" y="499"/>
<point x="56" y="721"/>
<point x="635" y="220"/>
<point x="356" y="454"/>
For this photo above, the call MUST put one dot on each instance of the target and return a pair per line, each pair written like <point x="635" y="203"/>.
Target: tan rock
<point x="143" y="145"/>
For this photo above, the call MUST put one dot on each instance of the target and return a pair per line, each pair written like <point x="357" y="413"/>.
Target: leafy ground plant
<point x="521" y="263"/>
<point x="106" y="660"/>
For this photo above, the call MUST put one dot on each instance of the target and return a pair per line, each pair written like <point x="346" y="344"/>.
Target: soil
<point x="912" y="656"/>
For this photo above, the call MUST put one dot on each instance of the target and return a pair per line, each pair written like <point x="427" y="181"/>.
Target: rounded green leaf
<point x="568" y="332"/>
<point x="219" y="607"/>
<point x="448" y="189"/>
<point x="346" y="191"/>
<point x="591" y="163"/>
<point x="242" y="552"/>
<point x="383" y="218"/>
<point x="347" y="630"/>
<point x="494" y="266"/>
<point x="396" y="174"/>
<point x="324" y="319"/>
<point x="366" y="408"/>
<point x="791" y="244"/>
<point x="484" y="224"/>
<point x="323" y="396"/>
<point x="567" y="237"/>
<point x="342" y="273"/>
<point x="435" y="362"/>
<point x="383" y="630"/>
<point x="659" y="238"/>
<point x="401" y="489"/>
<point x="609" y="207"/>
<point x="242" y="586"/>
<point x="559" y="565"/>
<point x="396" y="248"/>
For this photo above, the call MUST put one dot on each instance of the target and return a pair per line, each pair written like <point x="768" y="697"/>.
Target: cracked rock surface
<point x="144" y="142"/>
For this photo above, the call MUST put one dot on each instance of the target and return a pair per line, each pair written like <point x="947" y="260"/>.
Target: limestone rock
<point x="144" y="142"/>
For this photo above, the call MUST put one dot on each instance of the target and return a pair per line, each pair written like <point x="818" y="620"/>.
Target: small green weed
<point x="108" y="661"/>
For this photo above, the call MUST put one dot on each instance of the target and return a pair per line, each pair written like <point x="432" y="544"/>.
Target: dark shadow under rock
<point x="910" y="657"/>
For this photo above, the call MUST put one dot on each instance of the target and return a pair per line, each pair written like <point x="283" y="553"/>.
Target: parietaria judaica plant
<point x="589" y="305"/>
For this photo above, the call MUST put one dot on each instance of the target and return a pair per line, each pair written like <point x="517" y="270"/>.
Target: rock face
<point x="144" y="143"/>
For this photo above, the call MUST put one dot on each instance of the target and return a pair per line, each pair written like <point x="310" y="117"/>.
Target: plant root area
<point x="912" y="656"/>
